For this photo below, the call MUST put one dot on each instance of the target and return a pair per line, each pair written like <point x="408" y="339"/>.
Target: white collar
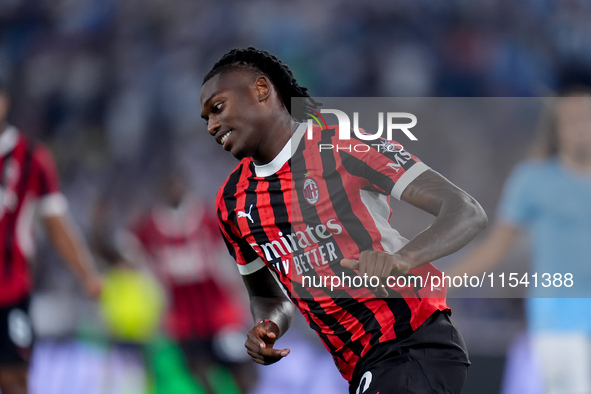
<point x="275" y="165"/>
<point x="8" y="140"/>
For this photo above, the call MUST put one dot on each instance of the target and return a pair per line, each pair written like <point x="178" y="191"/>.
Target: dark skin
<point x="251" y="107"/>
<point x="267" y="301"/>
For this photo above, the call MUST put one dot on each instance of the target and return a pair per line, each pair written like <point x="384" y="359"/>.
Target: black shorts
<point x="16" y="334"/>
<point x="433" y="359"/>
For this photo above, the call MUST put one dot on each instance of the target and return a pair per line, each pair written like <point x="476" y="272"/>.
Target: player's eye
<point x="217" y="107"/>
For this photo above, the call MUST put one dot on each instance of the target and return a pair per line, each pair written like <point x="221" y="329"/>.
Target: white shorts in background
<point x="565" y="361"/>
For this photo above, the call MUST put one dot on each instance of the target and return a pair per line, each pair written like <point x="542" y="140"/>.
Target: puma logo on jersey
<point x="242" y="214"/>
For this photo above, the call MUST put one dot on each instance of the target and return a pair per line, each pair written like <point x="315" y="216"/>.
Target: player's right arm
<point x="274" y="314"/>
<point x="271" y="309"/>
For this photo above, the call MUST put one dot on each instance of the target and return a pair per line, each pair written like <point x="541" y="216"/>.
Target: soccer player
<point x="29" y="185"/>
<point x="548" y="197"/>
<point x="288" y="211"/>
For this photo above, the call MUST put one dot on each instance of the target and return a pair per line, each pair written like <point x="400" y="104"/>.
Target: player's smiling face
<point x="233" y="107"/>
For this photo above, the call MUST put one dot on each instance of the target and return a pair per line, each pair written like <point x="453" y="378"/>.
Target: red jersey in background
<point x="28" y="186"/>
<point x="182" y="245"/>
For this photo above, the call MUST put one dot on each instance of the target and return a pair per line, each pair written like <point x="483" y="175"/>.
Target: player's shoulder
<point x="14" y="140"/>
<point x="42" y="156"/>
<point x="327" y="134"/>
<point x="536" y="167"/>
<point x="40" y="149"/>
<point x="234" y="182"/>
<point x="36" y="149"/>
<point x="531" y="173"/>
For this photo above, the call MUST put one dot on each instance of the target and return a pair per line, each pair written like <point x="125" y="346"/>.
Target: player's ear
<point x="263" y="87"/>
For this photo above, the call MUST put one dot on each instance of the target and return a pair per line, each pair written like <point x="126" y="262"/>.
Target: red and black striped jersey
<point x="319" y="201"/>
<point x="180" y="242"/>
<point x="28" y="185"/>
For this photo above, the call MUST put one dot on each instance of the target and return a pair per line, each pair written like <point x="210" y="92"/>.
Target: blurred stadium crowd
<point x="112" y="87"/>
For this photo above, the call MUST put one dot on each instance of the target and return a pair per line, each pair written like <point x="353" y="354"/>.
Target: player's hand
<point x="93" y="285"/>
<point x="379" y="264"/>
<point x="260" y="341"/>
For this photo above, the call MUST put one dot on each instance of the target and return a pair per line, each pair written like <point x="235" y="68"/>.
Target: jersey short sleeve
<point x="51" y="200"/>
<point x="247" y="259"/>
<point x="517" y="206"/>
<point x="385" y="164"/>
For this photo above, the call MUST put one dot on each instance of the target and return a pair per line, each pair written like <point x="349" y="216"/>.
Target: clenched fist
<point x="378" y="264"/>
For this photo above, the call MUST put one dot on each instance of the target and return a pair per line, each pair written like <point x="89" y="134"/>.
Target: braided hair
<point x="278" y="72"/>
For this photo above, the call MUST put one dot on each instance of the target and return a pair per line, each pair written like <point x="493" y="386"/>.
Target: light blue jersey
<point x="554" y="205"/>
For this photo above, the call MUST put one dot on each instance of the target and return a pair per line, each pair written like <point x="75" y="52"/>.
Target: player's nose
<point x="213" y="125"/>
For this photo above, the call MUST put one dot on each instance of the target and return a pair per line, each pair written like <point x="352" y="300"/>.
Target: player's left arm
<point x="458" y="219"/>
<point x="68" y="241"/>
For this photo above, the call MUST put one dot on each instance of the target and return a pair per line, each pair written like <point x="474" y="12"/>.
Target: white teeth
<point x="225" y="137"/>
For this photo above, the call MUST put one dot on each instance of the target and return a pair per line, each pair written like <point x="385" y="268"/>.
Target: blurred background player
<point x="180" y="241"/>
<point x="549" y="196"/>
<point x="29" y="186"/>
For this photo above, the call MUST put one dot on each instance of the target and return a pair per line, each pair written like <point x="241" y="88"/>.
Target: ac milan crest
<point x="311" y="191"/>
